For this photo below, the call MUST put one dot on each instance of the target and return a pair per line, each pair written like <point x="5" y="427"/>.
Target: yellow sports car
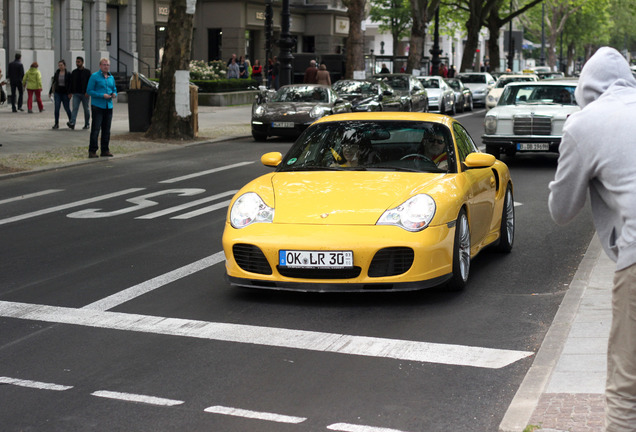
<point x="382" y="201"/>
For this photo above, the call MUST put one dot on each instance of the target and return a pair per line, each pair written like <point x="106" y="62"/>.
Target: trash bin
<point x="141" y="103"/>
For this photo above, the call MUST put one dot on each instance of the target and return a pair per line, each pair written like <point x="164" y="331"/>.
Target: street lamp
<point x="542" y="59"/>
<point x="285" y="44"/>
<point x="511" y="49"/>
<point x="435" y="51"/>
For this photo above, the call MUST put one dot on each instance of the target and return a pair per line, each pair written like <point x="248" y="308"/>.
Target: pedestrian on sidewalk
<point x="15" y="74"/>
<point x="61" y="91"/>
<point x="32" y="80"/>
<point x="323" y="76"/>
<point x="598" y="153"/>
<point x="102" y="90"/>
<point x="79" y="84"/>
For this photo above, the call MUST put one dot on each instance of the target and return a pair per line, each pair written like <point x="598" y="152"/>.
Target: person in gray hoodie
<point x="598" y="153"/>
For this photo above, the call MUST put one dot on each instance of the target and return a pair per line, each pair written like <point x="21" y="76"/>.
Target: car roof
<point x="388" y="116"/>
<point x="551" y="82"/>
<point x="517" y="76"/>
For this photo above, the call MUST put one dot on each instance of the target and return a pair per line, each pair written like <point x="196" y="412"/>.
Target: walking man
<point x="15" y="75"/>
<point x="598" y="153"/>
<point x="79" y="84"/>
<point x="102" y="90"/>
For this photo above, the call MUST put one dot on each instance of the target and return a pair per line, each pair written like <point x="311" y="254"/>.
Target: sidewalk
<point x="29" y="143"/>
<point x="564" y="388"/>
<point x="562" y="391"/>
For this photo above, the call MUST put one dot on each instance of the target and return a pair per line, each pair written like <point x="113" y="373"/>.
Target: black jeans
<point x="102" y="118"/>
<point x="16" y="87"/>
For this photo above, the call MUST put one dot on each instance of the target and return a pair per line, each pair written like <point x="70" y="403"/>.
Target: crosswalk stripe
<point x="459" y="355"/>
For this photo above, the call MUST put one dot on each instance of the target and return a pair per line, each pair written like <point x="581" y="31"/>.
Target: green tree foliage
<point x="394" y="17"/>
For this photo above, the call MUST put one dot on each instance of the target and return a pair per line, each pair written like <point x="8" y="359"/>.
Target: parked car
<point x="441" y="97"/>
<point x="495" y="92"/>
<point x="479" y="83"/>
<point x="368" y="95"/>
<point x="414" y="96"/>
<point x="291" y="109"/>
<point x="463" y="95"/>
<point x="383" y="201"/>
<point x="529" y="117"/>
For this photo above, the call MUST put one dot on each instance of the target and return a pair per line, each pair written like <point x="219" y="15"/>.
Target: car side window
<point x="465" y="144"/>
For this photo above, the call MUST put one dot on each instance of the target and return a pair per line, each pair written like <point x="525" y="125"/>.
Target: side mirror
<point x="387" y="93"/>
<point x="272" y="159"/>
<point x="339" y="101"/>
<point x="479" y="160"/>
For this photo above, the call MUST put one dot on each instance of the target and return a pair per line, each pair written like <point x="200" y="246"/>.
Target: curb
<point x="536" y="380"/>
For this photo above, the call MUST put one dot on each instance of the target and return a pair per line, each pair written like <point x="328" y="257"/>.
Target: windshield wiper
<point x="312" y="168"/>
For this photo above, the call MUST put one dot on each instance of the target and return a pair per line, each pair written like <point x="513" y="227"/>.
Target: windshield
<point x="538" y="95"/>
<point x="454" y="84"/>
<point x="430" y="82"/>
<point x="502" y="82"/>
<point x="397" y="82"/>
<point x="473" y="79"/>
<point x="301" y="94"/>
<point x="373" y="145"/>
<point x="355" y="87"/>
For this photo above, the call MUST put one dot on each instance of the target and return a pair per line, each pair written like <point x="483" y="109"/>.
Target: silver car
<point x="479" y="83"/>
<point x="441" y="97"/>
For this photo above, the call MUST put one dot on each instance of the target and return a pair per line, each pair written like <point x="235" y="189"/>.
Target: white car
<point x="441" y="97"/>
<point x="529" y="117"/>
<point x="495" y="92"/>
<point x="479" y="83"/>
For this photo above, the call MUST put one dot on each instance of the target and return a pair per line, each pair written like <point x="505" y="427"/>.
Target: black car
<point x="368" y="95"/>
<point x="291" y="109"/>
<point x="463" y="95"/>
<point x="413" y="94"/>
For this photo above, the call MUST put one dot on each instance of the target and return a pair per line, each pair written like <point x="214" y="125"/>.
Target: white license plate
<point x="533" y="146"/>
<point x="282" y="124"/>
<point x="315" y="259"/>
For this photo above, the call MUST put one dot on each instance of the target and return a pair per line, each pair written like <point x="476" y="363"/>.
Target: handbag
<point x="3" y="96"/>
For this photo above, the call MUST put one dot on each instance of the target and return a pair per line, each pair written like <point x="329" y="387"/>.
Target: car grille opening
<point x="391" y="261"/>
<point x="304" y="273"/>
<point x="532" y="125"/>
<point x="251" y="259"/>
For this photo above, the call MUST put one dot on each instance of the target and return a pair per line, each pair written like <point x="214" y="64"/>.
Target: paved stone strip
<point x="578" y="412"/>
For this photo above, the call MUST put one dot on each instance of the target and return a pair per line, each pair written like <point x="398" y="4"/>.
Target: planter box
<point x="214" y="99"/>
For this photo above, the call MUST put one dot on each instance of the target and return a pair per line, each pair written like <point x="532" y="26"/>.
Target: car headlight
<point x="248" y="209"/>
<point x="413" y="214"/>
<point x="490" y="124"/>
<point x="259" y="111"/>
<point x="491" y="98"/>
<point x="317" y="112"/>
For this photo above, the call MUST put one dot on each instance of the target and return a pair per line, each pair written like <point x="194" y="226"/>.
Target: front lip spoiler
<point x="336" y="287"/>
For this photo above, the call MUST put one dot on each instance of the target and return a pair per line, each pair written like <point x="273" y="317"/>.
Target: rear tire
<point x="461" y="254"/>
<point x="507" y="230"/>
<point x="470" y="104"/>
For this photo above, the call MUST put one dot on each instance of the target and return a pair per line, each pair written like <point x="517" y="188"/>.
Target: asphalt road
<point x="114" y="312"/>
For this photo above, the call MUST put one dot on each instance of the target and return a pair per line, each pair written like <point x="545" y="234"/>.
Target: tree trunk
<point x="355" y="42"/>
<point x="473" y="25"/>
<point x="418" y="33"/>
<point x="165" y="121"/>
<point x="493" y="46"/>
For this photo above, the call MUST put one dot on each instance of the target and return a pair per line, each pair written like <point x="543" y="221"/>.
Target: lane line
<point x="157" y="282"/>
<point x="68" y="206"/>
<point x="131" y="397"/>
<point x="202" y="173"/>
<point x="34" y="384"/>
<point x="187" y="205"/>
<point x="32" y="195"/>
<point x="347" y="427"/>
<point x="203" y="210"/>
<point x="458" y="355"/>
<point x="237" y="412"/>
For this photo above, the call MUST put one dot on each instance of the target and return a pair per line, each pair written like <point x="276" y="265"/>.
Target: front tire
<point x="461" y="254"/>
<point x="260" y="137"/>
<point x="507" y="230"/>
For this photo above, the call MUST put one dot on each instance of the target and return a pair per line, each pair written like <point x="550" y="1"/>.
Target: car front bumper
<point x="523" y="143"/>
<point x="431" y="264"/>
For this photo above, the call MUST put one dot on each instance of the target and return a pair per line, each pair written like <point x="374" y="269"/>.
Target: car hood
<point x="476" y="87"/>
<point x="343" y="198"/>
<point x="555" y="111"/>
<point x="357" y="99"/>
<point x="291" y="107"/>
<point x="433" y="92"/>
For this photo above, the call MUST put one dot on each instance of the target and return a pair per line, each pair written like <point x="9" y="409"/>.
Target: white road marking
<point x="131" y="397"/>
<point x="346" y="427"/>
<point x="187" y="205"/>
<point x="34" y="384"/>
<point x="202" y="173"/>
<point x="518" y="204"/>
<point x="152" y="284"/>
<point x="69" y="205"/>
<point x="237" y="412"/>
<point x="203" y="210"/>
<point x="406" y="350"/>
<point x="32" y="195"/>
